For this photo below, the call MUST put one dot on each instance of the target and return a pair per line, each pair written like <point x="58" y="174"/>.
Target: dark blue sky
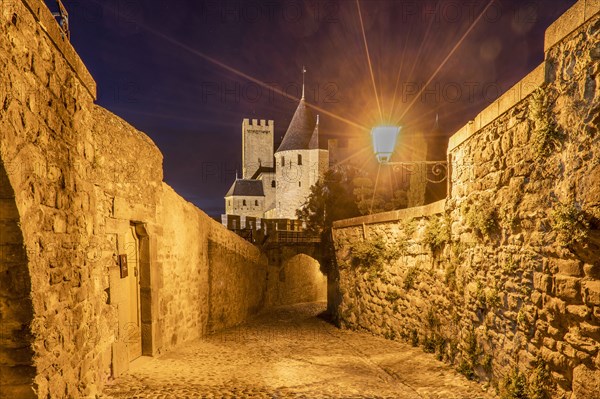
<point x="178" y="70"/>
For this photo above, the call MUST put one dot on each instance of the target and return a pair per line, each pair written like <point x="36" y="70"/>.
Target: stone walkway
<point x="291" y="353"/>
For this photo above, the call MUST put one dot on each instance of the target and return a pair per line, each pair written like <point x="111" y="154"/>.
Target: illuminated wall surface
<point x="86" y="219"/>
<point x="502" y="278"/>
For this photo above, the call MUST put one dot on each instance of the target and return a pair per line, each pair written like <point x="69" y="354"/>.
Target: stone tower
<point x="257" y="146"/>
<point x="299" y="162"/>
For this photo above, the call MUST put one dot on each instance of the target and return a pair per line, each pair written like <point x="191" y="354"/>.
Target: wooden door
<point x="131" y="286"/>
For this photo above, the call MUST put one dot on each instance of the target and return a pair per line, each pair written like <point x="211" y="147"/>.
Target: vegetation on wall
<point x="470" y="356"/>
<point x="372" y="254"/>
<point x="482" y="219"/>
<point x="436" y="235"/>
<point x="536" y="384"/>
<point x="570" y="223"/>
<point x="546" y="137"/>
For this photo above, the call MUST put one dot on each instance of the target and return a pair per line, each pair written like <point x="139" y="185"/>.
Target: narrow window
<point x="244" y="203"/>
<point x="282" y="161"/>
<point x="299" y="159"/>
<point x="299" y="184"/>
<point x="273" y="183"/>
<point x="256" y="202"/>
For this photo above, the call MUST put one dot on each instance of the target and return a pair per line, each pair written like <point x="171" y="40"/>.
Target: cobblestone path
<point x="292" y="353"/>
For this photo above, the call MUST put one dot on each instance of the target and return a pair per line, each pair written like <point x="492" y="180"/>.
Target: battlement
<point x="257" y="123"/>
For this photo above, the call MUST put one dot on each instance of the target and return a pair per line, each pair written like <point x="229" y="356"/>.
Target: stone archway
<point x="17" y="371"/>
<point x="296" y="278"/>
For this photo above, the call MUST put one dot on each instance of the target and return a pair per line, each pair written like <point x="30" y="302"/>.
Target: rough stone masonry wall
<point x="507" y="276"/>
<point x="76" y="178"/>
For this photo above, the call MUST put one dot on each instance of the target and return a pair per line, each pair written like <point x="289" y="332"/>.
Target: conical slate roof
<point x="314" y="140"/>
<point x="300" y="131"/>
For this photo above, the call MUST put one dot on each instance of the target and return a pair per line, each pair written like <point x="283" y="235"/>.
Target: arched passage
<point x="296" y="278"/>
<point x="16" y="311"/>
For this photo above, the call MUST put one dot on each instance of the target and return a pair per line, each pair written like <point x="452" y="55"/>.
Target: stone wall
<point x="238" y="279"/>
<point x="75" y="182"/>
<point x="503" y="281"/>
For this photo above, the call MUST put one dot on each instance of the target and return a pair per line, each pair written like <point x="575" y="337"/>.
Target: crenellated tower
<point x="257" y="146"/>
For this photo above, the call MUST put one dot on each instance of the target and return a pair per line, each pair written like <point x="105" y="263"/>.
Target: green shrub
<point x="546" y="137"/>
<point x="409" y="228"/>
<point x="540" y="380"/>
<point x="436" y="234"/>
<point x="514" y="386"/>
<point x="535" y="385"/>
<point x="414" y="338"/>
<point x="410" y="277"/>
<point x="373" y="254"/>
<point x="392" y="296"/>
<point x="450" y="275"/>
<point x="466" y="369"/>
<point x="570" y="223"/>
<point x="432" y="320"/>
<point x="482" y="219"/>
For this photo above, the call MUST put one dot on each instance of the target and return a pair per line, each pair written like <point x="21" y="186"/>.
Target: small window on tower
<point x="282" y="161"/>
<point x="299" y="159"/>
<point x="299" y="184"/>
<point x="244" y="203"/>
<point x="273" y="183"/>
<point x="256" y="202"/>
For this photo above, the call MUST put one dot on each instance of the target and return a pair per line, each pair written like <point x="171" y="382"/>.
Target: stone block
<point x="533" y="80"/>
<point x="509" y="99"/>
<point x="568" y="288"/>
<point x="592" y="271"/>
<point x="116" y="226"/>
<point x="586" y="382"/>
<point x="563" y="26"/>
<point x="567" y="267"/>
<point x="121" y="208"/>
<point x="591" y="292"/>
<point x="120" y="359"/>
<point x="579" y="311"/>
<point x="114" y="275"/>
<point x="542" y="282"/>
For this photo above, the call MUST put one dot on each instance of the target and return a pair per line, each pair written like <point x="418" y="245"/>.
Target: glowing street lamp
<point x="384" y="140"/>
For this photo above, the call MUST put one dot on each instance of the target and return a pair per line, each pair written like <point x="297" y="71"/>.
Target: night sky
<point x="185" y="72"/>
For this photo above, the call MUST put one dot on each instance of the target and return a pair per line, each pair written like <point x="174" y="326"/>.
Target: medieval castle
<point x="275" y="184"/>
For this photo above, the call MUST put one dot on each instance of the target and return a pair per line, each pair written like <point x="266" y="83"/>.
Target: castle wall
<point x="77" y="179"/>
<point x="502" y="278"/>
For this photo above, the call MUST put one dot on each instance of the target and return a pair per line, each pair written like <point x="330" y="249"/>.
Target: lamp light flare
<point x="384" y="140"/>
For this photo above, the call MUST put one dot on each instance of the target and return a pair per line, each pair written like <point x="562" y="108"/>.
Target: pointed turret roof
<point x="300" y="131"/>
<point x="314" y="140"/>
